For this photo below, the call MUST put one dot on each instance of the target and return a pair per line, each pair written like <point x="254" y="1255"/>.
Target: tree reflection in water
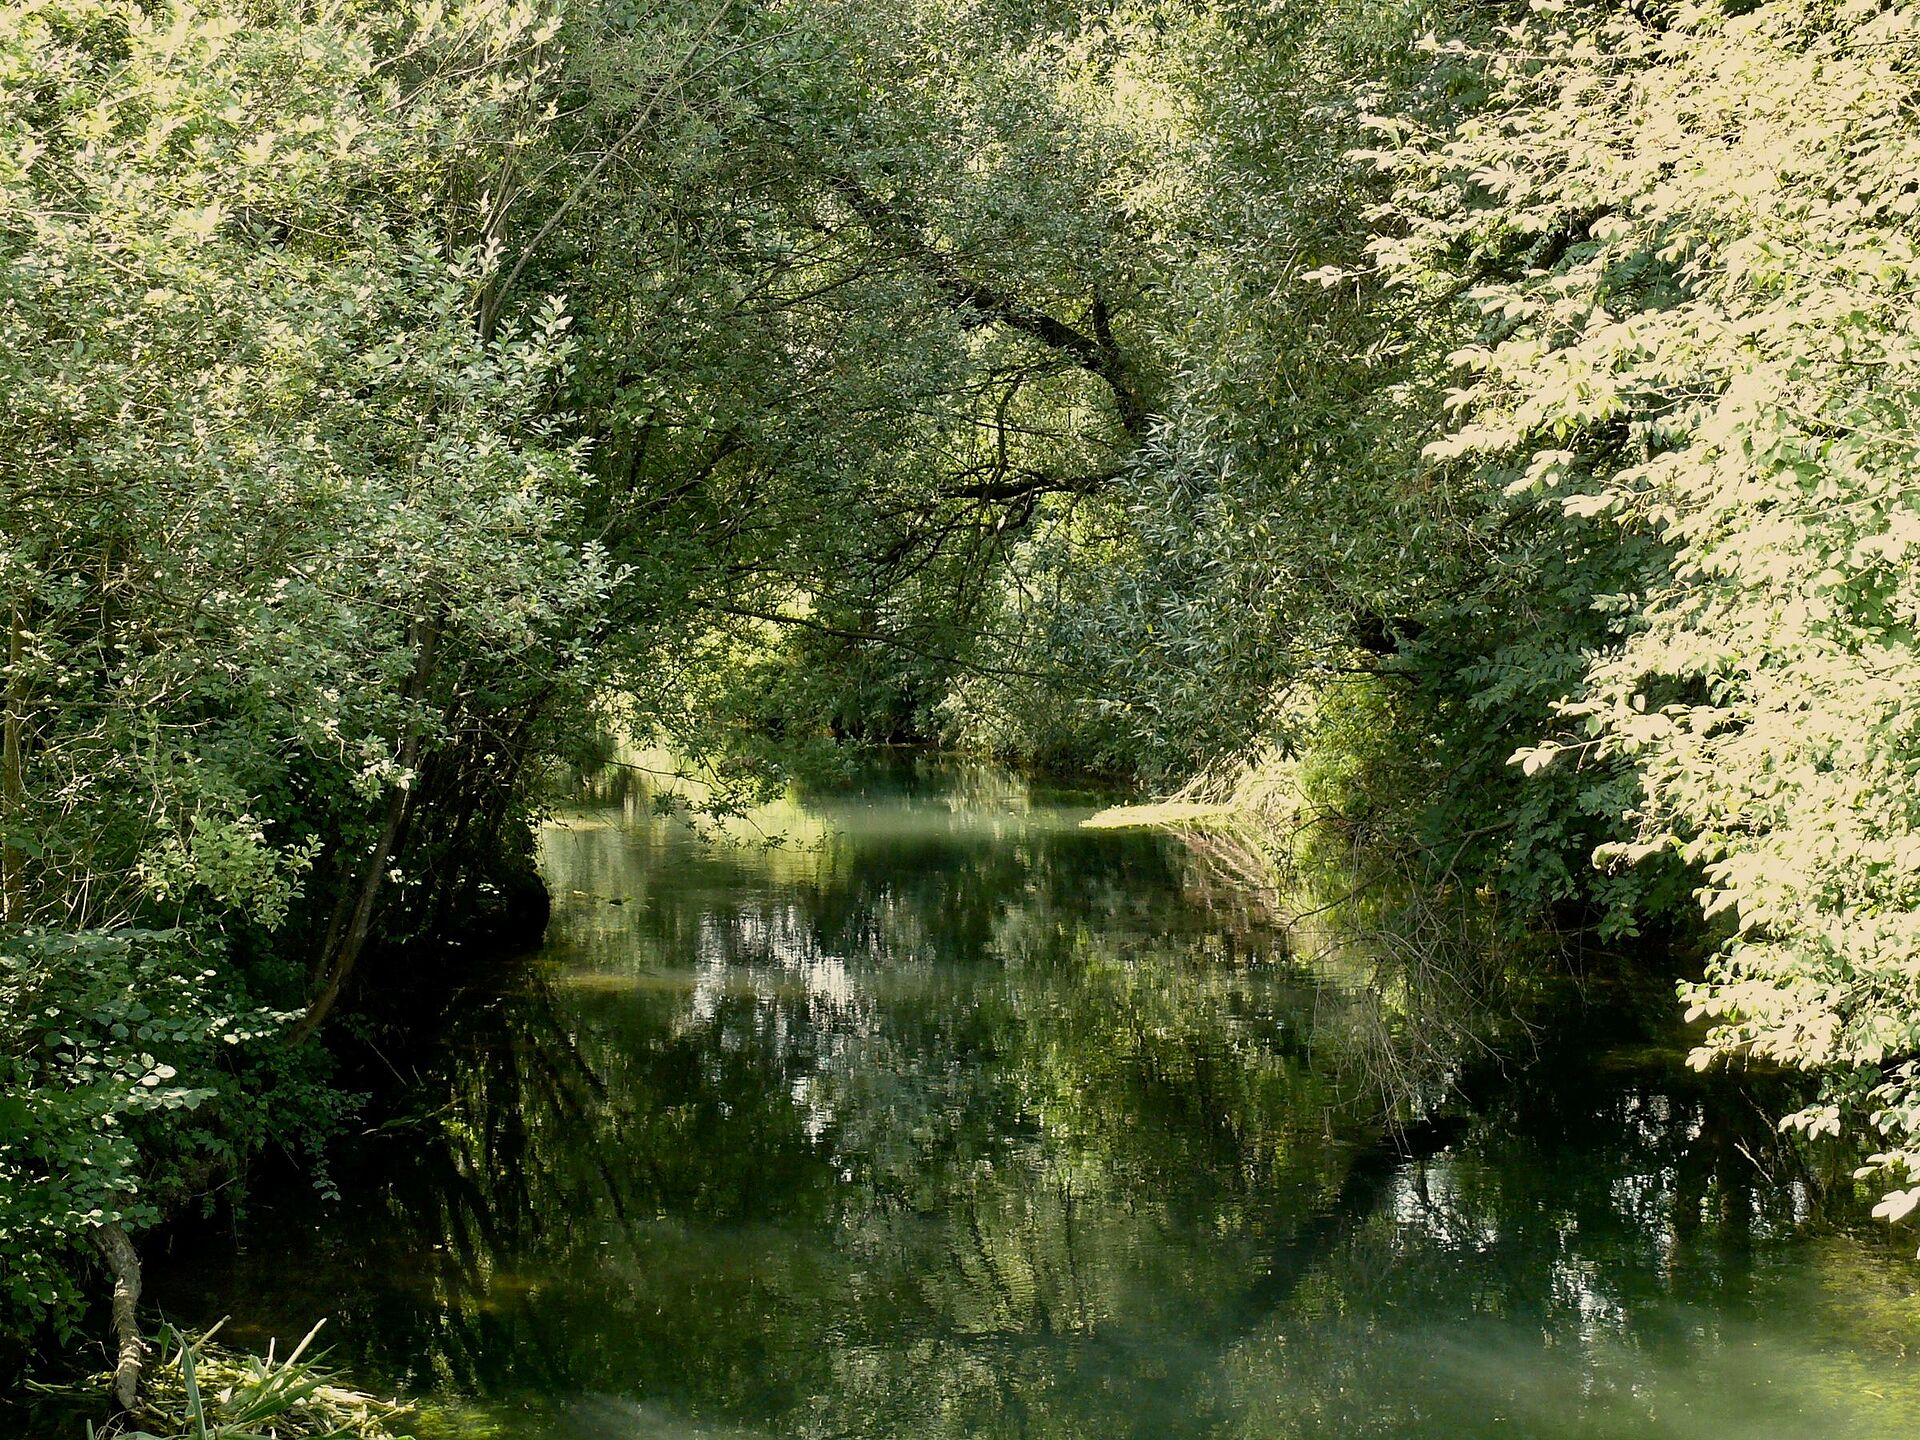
<point x="950" y="1119"/>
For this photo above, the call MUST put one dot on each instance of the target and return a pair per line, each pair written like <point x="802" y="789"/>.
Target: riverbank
<point x="151" y="1102"/>
<point x="195" y="1388"/>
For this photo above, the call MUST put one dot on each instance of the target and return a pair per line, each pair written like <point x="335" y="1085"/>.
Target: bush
<point x="133" y="1066"/>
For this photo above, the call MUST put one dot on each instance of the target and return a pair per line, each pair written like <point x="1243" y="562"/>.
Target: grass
<point x="196" y="1390"/>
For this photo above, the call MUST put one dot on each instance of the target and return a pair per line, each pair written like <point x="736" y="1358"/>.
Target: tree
<point x="1706" y="352"/>
<point x="272" y="506"/>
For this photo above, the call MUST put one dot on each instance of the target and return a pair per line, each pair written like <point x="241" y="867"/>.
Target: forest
<point x="1475" y="446"/>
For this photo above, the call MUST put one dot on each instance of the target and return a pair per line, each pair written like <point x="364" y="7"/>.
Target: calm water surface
<point x="947" y="1118"/>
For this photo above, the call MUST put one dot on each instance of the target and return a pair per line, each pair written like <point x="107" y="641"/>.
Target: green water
<point x="948" y="1118"/>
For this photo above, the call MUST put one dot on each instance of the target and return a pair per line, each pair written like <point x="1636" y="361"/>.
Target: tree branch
<point x="821" y="627"/>
<point x="1096" y="353"/>
<point x="1018" y="483"/>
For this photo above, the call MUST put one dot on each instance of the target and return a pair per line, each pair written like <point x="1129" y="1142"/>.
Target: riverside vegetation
<point x="1495" y="428"/>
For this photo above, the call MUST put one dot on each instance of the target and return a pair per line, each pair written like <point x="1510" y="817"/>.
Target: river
<point x="920" y="1111"/>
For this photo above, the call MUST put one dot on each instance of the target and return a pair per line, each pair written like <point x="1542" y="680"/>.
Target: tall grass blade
<point x="196" y="1412"/>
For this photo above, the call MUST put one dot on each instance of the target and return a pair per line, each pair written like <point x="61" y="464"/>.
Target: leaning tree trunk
<point x="124" y="1265"/>
<point x="347" y="935"/>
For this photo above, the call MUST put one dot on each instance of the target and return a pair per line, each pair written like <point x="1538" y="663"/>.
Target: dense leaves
<point x="270" y="504"/>
<point x="1691" y="244"/>
<point x="132" y="1073"/>
<point x="1157" y="388"/>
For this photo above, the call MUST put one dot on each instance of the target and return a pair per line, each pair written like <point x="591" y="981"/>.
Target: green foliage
<point x="257" y="438"/>
<point x="1269" y="504"/>
<point x="1691" y="247"/>
<point x="388" y="384"/>
<point x="274" y="507"/>
<point x="858" y="306"/>
<point x="133" y="1069"/>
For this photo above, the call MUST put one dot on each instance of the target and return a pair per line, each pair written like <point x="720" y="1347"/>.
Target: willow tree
<point x="852" y="306"/>
<point x="278" y="523"/>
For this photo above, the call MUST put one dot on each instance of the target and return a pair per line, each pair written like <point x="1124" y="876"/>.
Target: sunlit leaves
<point x="1699" y="290"/>
<point x="256" y="441"/>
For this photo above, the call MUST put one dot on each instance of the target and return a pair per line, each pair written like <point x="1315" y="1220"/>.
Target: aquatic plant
<point x="196" y="1390"/>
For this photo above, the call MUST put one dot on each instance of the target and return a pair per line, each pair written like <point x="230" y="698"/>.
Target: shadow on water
<point x="947" y="1118"/>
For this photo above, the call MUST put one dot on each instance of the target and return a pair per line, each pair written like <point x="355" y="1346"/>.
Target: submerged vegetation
<point x="1482" y="435"/>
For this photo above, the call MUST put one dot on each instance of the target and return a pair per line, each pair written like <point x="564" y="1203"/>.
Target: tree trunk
<point x="124" y="1265"/>
<point x="352" y="938"/>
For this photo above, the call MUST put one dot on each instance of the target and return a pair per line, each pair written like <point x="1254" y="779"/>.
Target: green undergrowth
<point x="195" y="1389"/>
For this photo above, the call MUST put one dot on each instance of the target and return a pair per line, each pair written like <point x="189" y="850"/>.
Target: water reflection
<point x="950" y="1119"/>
